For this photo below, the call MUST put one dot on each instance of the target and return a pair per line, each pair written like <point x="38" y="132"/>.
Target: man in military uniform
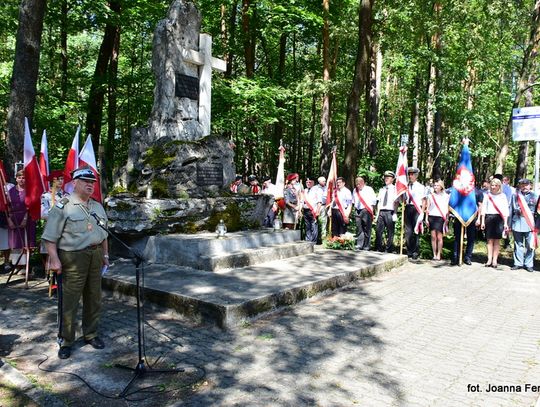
<point x="78" y="250"/>
<point x="414" y="212"/>
<point x="522" y="208"/>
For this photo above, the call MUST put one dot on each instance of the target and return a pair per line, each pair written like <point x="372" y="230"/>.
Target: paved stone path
<point x="420" y="335"/>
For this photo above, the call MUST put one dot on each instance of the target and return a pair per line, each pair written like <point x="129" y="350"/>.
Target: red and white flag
<point x="4" y="200"/>
<point x="280" y="177"/>
<point x="33" y="182"/>
<point x="88" y="157"/>
<point x="402" y="184"/>
<point x="44" y="160"/>
<point x="72" y="162"/>
<point x="332" y="177"/>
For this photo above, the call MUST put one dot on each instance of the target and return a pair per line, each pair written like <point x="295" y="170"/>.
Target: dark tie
<point x="385" y="199"/>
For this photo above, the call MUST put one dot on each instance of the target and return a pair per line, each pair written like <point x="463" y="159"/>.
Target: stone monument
<point x="177" y="172"/>
<point x="176" y="155"/>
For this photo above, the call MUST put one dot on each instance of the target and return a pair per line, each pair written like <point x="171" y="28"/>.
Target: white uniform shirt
<point x="442" y="201"/>
<point x="500" y="200"/>
<point x="345" y="198"/>
<point x="390" y="199"/>
<point x="367" y="194"/>
<point x="314" y="196"/>
<point x="418" y="192"/>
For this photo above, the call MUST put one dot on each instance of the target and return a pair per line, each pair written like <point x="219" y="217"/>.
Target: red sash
<point x="527" y="214"/>
<point x="495" y="206"/>
<point x="366" y="206"/>
<point x="434" y="200"/>
<point x="309" y="205"/>
<point x="255" y="189"/>
<point x="338" y="203"/>
<point x="418" y="209"/>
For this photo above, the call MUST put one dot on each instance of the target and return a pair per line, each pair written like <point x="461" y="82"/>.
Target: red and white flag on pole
<point x="88" y="157"/>
<point x="280" y="177"/>
<point x="44" y="160"/>
<point x="4" y="200"/>
<point x="72" y="162"/>
<point x="332" y="177"/>
<point x="33" y="184"/>
<point x="402" y="183"/>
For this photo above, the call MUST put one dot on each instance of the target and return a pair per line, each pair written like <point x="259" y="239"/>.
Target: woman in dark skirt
<point x="494" y="220"/>
<point x="437" y="215"/>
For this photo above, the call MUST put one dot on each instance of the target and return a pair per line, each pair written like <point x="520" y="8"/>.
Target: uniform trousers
<point x="81" y="275"/>
<point x="312" y="229"/>
<point x="323" y="223"/>
<point x="470" y="232"/>
<point x="411" y="238"/>
<point x="339" y="227"/>
<point x="363" y="229"/>
<point x="385" y="222"/>
<point x="523" y="249"/>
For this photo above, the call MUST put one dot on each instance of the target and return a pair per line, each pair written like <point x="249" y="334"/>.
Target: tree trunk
<point x="374" y="97"/>
<point x="249" y="37"/>
<point x="528" y="62"/>
<point x="326" y="119"/>
<point x="106" y="158"/>
<point x="97" y="90"/>
<point x="361" y="79"/>
<point x="231" y="41"/>
<point x="64" y="56"/>
<point x="415" y="121"/>
<point x="22" y="97"/>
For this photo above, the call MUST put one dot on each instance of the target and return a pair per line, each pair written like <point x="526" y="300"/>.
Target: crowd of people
<point x="501" y="211"/>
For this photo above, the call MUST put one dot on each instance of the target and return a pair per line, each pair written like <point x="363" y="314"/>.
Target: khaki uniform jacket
<point x="71" y="225"/>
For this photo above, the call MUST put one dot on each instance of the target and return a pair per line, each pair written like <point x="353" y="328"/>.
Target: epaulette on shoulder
<point x="60" y="204"/>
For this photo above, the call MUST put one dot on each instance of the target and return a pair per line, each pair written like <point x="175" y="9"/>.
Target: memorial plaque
<point x="210" y="174"/>
<point x="186" y="87"/>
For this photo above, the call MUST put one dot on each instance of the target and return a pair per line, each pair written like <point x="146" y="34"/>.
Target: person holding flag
<point x="386" y="214"/>
<point x="341" y="207"/>
<point x="415" y="203"/>
<point x="322" y="219"/>
<point x="311" y="206"/>
<point x="464" y="204"/>
<point x="522" y="207"/>
<point x="292" y="202"/>
<point x="4" y="213"/>
<point x="364" y="201"/>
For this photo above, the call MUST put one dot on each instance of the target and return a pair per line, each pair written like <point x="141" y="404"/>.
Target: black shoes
<point x="529" y="269"/>
<point x="64" y="352"/>
<point x="96" y="343"/>
<point x="468" y="262"/>
<point x="515" y="268"/>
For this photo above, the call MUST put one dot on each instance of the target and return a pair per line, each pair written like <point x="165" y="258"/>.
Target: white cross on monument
<point x="205" y="61"/>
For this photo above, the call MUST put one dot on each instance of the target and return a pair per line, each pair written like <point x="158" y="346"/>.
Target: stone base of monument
<point x="230" y="297"/>
<point x="204" y="251"/>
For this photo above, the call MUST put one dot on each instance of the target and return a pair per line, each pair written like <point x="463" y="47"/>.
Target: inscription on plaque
<point x="186" y="87"/>
<point x="210" y="174"/>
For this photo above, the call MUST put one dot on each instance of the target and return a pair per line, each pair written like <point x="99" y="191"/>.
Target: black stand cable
<point x="140" y="369"/>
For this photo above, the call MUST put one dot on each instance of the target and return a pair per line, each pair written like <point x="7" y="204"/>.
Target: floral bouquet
<point x="343" y="242"/>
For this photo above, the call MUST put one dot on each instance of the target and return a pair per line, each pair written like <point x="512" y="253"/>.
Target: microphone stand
<point x="141" y="368"/>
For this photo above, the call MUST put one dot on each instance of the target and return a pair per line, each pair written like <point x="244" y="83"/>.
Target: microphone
<point x="98" y="219"/>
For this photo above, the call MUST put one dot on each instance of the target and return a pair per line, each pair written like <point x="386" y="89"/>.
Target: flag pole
<point x="461" y="245"/>
<point x="402" y="223"/>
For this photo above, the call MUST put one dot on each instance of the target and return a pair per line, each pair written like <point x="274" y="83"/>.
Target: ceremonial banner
<point x="402" y="183"/>
<point x="462" y="194"/>
<point x="44" y="161"/>
<point x="280" y="177"/>
<point x="33" y="186"/>
<point x="4" y="202"/>
<point x="72" y="163"/>
<point x="331" y="180"/>
<point x="87" y="157"/>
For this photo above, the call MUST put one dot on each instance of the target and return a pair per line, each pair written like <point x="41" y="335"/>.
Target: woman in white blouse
<point x="437" y="217"/>
<point x="494" y="220"/>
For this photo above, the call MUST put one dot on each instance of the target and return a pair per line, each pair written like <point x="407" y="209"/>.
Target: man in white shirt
<point x="415" y="202"/>
<point x="386" y="217"/>
<point x="364" y="201"/>
<point x="341" y="208"/>
<point x="311" y="207"/>
<point x="269" y="189"/>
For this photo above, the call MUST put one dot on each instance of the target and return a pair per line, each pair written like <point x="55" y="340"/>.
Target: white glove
<point x="394" y="218"/>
